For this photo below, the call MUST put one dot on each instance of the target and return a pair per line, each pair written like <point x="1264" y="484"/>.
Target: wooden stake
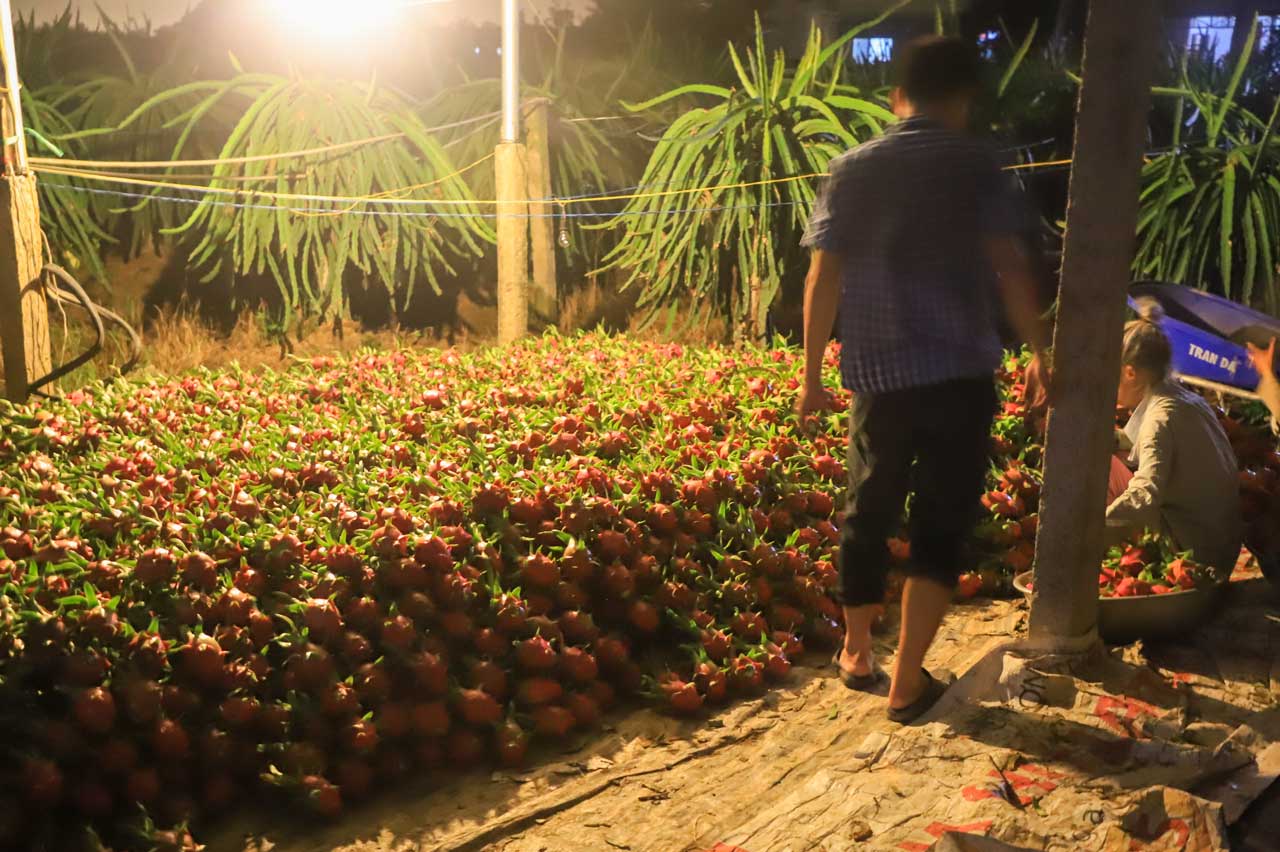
<point x="15" y="134"/>
<point x="544" y="297"/>
<point x="513" y="243"/>
<point x="24" y="317"/>
<point x="1111" y="128"/>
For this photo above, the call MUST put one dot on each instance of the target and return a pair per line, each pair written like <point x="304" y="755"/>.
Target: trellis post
<point x="24" y="316"/>
<point x="544" y="296"/>
<point x="1111" y="132"/>
<point x="512" y="190"/>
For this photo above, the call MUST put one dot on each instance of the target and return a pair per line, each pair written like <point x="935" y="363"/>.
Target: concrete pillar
<point x="1111" y="130"/>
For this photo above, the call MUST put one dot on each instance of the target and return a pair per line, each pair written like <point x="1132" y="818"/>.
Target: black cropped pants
<point x="933" y="442"/>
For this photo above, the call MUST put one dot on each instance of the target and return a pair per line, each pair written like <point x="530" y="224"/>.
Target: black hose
<point x="135" y="342"/>
<point x="75" y="294"/>
<point x="64" y="278"/>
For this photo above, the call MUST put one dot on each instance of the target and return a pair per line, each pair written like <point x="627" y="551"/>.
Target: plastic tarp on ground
<point x="1038" y="753"/>
<point x="1209" y="334"/>
<point x="1122" y="751"/>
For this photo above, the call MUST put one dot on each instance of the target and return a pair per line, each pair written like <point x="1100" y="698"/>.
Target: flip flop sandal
<point x="934" y="689"/>
<point x="858" y="683"/>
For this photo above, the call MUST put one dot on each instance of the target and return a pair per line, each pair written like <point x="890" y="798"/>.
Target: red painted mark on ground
<point x="938" y="829"/>
<point x="1119" y="714"/>
<point x="977" y="794"/>
<point x="1019" y="781"/>
<point x="1043" y="772"/>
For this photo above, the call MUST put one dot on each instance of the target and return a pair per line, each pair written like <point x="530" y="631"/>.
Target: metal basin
<point x="1149" y="617"/>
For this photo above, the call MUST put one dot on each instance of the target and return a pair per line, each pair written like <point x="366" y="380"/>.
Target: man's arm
<point x="1269" y="387"/>
<point x="821" y="301"/>
<point x="1018" y="291"/>
<point x="1016" y="275"/>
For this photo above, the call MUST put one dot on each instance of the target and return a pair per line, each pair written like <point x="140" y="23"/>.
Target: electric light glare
<point x="334" y="19"/>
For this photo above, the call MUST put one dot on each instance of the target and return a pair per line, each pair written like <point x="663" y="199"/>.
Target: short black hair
<point x="937" y="68"/>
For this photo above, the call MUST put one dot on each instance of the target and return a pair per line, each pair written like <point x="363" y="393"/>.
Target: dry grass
<point x="178" y="340"/>
<point x="598" y="304"/>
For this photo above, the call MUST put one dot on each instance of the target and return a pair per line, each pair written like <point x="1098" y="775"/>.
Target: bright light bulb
<point x="334" y="19"/>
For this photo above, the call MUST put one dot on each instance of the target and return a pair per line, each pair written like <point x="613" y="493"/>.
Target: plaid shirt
<point x="909" y="213"/>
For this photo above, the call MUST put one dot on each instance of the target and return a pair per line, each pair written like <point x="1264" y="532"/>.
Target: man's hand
<point x="821" y="298"/>
<point x="1012" y="264"/>
<point x="1038" y="381"/>
<point x="812" y="399"/>
<point x="1263" y="359"/>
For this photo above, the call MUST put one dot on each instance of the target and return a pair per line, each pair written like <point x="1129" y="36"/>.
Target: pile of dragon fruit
<point x="314" y="582"/>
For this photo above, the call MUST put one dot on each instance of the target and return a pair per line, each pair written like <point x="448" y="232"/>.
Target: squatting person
<point x="1184" y="481"/>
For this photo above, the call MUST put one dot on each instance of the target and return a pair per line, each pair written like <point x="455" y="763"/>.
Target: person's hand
<point x="1263" y="359"/>
<point x="1038" y="380"/>
<point x="812" y="399"/>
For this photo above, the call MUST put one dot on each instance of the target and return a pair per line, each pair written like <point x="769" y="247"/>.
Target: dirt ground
<point x="1095" y="759"/>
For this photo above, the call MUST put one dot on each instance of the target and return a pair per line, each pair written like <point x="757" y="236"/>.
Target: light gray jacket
<point x="1187" y="480"/>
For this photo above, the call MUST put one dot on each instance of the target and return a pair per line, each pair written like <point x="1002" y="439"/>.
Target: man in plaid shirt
<point x="916" y="243"/>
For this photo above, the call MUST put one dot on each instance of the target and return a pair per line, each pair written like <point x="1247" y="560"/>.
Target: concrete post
<point x="1111" y="127"/>
<point x="544" y="297"/>
<point x="513" y="243"/>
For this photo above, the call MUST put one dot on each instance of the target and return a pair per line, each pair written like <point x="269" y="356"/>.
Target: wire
<point x="225" y="178"/>
<point x="236" y="205"/>
<point x="385" y="198"/>
<point x="1029" y="145"/>
<point x="590" y="195"/>
<point x="259" y="158"/>
<point x="389" y="194"/>
<point x="307" y="152"/>
<point x="466" y="136"/>
<point x="1021" y="167"/>
<point x="382" y="199"/>
<point x="603" y="193"/>
<point x="462" y="171"/>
